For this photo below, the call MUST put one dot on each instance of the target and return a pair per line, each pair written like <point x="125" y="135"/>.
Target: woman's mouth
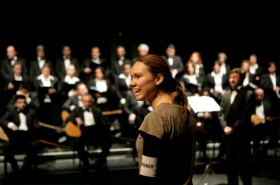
<point x="136" y="92"/>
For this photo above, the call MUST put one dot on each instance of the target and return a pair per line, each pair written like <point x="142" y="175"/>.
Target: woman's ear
<point x="159" y="79"/>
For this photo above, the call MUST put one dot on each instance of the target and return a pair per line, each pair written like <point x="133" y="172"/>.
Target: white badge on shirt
<point x="148" y="166"/>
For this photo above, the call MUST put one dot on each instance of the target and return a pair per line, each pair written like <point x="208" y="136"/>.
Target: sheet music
<point x="203" y="104"/>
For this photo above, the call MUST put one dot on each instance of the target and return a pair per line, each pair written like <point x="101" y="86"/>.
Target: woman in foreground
<point x="166" y="143"/>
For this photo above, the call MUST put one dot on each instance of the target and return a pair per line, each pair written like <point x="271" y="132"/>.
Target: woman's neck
<point x="217" y="73"/>
<point x="46" y="77"/>
<point x="161" y="97"/>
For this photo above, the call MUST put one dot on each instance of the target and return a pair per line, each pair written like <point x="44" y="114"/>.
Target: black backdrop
<point x="236" y="28"/>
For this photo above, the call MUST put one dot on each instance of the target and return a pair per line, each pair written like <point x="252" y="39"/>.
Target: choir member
<point x="143" y="49"/>
<point x="245" y="67"/>
<point x="122" y="84"/>
<point x="21" y="126"/>
<point x="199" y="69"/>
<point x="255" y="69"/>
<point x="174" y="61"/>
<point x="190" y="80"/>
<point x="89" y="65"/>
<point x="70" y="81"/>
<point x="217" y="82"/>
<point x="12" y="84"/>
<point x="118" y="63"/>
<point x="8" y="63"/>
<point x="270" y="82"/>
<point x="89" y="119"/>
<point x="36" y="65"/>
<point x="75" y="100"/>
<point x="225" y="68"/>
<point x="63" y="63"/>
<point x="48" y="90"/>
<point x="31" y="97"/>
<point x="100" y="88"/>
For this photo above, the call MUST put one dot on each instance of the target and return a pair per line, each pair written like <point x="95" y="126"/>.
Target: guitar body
<point x="72" y="130"/>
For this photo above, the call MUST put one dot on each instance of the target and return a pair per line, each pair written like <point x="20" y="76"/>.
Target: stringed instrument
<point x="257" y="120"/>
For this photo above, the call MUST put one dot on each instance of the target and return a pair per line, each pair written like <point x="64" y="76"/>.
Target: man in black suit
<point x="89" y="119"/>
<point x="263" y="109"/>
<point x="75" y="100"/>
<point x="63" y="63"/>
<point x="225" y="68"/>
<point x="118" y="63"/>
<point x="237" y="106"/>
<point x="36" y="65"/>
<point x="12" y="84"/>
<point x="89" y="65"/>
<point x="8" y="63"/>
<point x="174" y="61"/>
<point x="270" y="82"/>
<point x="143" y="49"/>
<point x="21" y="126"/>
<point x="31" y="97"/>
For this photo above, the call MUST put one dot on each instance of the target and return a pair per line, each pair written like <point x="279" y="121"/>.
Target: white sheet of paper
<point x="203" y="104"/>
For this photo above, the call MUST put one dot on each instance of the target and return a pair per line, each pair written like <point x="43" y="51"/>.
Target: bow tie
<point x="86" y="110"/>
<point x="21" y="111"/>
<point x="259" y="104"/>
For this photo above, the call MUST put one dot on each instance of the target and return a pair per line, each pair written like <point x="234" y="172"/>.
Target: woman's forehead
<point x="139" y="67"/>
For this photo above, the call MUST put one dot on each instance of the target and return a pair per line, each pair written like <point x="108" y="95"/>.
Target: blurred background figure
<point x="48" y="90"/>
<point x="63" y="63"/>
<point x="196" y="59"/>
<point x="143" y="49"/>
<point x="217" y="82"/>
<point x="8" y="63"/>
<point x="255" y="69"/>
<point x="225" y="68"/>
<point x="69" y="82"/>
<point x="37" y="64"/>
<point x="89" y="65"/>
<point x="191" y="81"/>
<point x="245" y="67"/>
<point x="118" y="63"/>
<point x="174" y="61"/>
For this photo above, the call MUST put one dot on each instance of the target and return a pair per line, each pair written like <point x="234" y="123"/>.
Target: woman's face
<point x="126" y="69"/>
<point x="216" y="68"/>
<point x="143" y="82"/>
<point x="245" y="67"/>
<point x="194" y="58"/>
<point x="222" y="59"/>
<point x="71" y="71"/>
<point x="272" y="69"/>
<point x="46" y="71"/>
<point x="190" y="69"/>
<point x="98" y="74"/>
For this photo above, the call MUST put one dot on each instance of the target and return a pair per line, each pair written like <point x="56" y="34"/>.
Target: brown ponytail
<point x="156" y="65"/>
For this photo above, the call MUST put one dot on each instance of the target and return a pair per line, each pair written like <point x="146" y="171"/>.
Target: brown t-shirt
<point x="176" y="159"/>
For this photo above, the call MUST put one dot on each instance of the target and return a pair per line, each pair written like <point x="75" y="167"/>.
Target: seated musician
<point x="264" y="111"/>
<point x="12" y="84"/>
<point x="75" y="100"/>
<point x="89" y="119"/>
<point x="20" y="124"/>
<point x="31" y="97"/>
<point x="69" y="82"/>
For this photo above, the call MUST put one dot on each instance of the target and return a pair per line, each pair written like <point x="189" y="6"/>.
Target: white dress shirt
<point x="41" y="62"/>
<point x="17" y="78"/>
<point x="101" y="87"/>
<point x="46" y="83"/>
<point x="88" y="117"/>
<point x="218" y="82"/>
<point x="223" y="69"/>
<point x="246" y="80"/>
<point x="170" y="61"/>
<point x="13" y="61"/>
<point x="70" y="80"/>
<point x="121" y="61"/>
<point x="253" y="69"/>
<point x="260" y="112"/>
<point x="126" y="78"/>
<point x="197" y="67"/>
<point x="97" y="60"/>
<point x="192" y="79"/>
<point x="67" y="62"/>
<point x="22" y="125"/>
<point x="273" y="79"/>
